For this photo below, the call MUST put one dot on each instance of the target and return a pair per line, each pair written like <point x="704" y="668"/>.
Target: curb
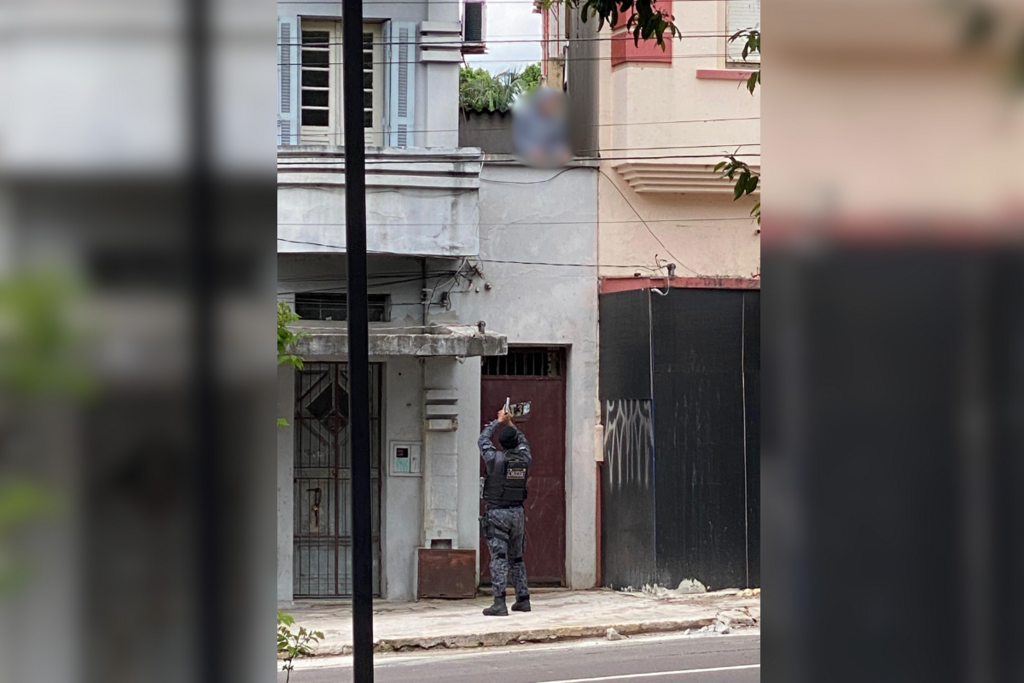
<point x="500" y="638"/>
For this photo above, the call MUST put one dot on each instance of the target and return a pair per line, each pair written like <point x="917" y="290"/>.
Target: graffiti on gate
<point x="628" y="442"/>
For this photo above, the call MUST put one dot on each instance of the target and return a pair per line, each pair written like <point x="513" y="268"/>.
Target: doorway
<point x="536" y="375"/>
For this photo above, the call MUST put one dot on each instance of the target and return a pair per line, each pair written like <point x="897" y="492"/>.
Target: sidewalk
<point x="556" y="616"/>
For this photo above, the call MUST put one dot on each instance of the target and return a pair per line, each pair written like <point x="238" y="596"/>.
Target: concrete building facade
<point x="473" y="258"/>
<point x="679" y="292"/>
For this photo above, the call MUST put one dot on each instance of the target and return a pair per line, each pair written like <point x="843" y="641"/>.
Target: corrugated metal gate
<point x="538" y="376"/>
<point x="322" y="480"/>
<point x="680" y="396"/>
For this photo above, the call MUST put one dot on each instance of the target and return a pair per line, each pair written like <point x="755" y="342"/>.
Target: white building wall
<point x="535" y="217"/>
<point x="402" y="496"/>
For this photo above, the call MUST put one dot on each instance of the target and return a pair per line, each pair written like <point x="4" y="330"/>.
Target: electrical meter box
<point x="405" y="457"/>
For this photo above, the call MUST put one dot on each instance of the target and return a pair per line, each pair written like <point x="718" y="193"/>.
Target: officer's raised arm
<point x="487" y="449"/>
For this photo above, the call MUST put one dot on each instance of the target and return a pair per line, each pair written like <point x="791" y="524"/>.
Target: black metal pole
<point x="201" y="240"/>
<point x="358" y="341"/>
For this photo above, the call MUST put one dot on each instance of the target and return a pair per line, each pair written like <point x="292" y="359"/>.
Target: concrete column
<point x="403" y="499"/>
<point x="285" y="486"/>
<point x="440" y="453"/>
<point x="440" y="40"/>
<point x="469" y="454"/>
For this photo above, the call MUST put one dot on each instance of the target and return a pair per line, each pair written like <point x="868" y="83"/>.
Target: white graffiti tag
<point x="628" y="442"/>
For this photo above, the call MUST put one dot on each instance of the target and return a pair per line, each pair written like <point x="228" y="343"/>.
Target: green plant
<point x="21" y="502"/>
<point x="41" y="342"/>
<point x="645" y="20"/>
<point x="531" y="77"/>
<point x="292" y="645"/>
<point x="751" y="44"/>
<point x="286" y="340"/>
<point x="746" y="179"/>
<point x="42" y="359"/>
<point x="480" y="91"/>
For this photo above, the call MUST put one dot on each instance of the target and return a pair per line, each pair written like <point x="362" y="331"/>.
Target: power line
<point x="431" y="2"/>
<point x="732" y="147"/>
<point x="702" y="219"/>
<point x="655" y="236"/>
<point x="601" y="125"/>
<point x="489" y="260"/>
<point x="388" y="62"/>
<point x="513" y="162"/>
<point x="458" y="42"/>
<point x="527" y="182"/>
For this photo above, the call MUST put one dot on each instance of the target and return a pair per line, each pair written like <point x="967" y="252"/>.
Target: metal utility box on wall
<point x="404" y="458"/>
<point x="446" y="573"/>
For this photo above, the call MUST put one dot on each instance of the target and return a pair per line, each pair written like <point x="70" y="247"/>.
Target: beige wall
<point x="702" y="230"/>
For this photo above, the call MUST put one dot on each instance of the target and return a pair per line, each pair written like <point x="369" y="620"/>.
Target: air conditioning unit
<point x="474" y="27"/>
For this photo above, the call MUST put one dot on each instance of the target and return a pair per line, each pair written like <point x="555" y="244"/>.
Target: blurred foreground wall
<point x="893" y="344"/>
<point x="136" y="309"/>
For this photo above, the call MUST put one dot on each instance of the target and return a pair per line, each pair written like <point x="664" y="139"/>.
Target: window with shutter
<point x="741" y="15"/>
<point x="287" y="121"/>
<point x="321" y="78"/>
<point x="402" y="83"/>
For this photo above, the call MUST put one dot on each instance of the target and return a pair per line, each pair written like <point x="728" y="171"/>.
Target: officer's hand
<point x="504" y="417"/>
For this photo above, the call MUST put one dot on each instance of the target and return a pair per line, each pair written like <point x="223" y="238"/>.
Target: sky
<point x="509" y="21"/>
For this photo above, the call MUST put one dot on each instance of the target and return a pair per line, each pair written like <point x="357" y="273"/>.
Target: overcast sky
<point x="509" y="21"/>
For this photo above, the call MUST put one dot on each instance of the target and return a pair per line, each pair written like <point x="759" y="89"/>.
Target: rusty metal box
<point x="446" y="573"/>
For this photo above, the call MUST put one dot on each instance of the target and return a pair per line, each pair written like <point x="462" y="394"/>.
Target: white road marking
<point x="656" y="673"/>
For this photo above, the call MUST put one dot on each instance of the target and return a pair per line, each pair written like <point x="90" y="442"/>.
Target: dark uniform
<point x="504" y="523"/>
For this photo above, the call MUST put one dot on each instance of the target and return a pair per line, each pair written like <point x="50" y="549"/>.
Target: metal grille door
<point x="322" y="484"/>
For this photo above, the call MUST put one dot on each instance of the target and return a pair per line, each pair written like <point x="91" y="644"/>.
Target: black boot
<point x="498" y="609"/>
<point x="521" y="605"/>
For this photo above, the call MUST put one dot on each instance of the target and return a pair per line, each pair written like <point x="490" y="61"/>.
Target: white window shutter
<point x="288" y="80"/>
<point x="742" y="15"/>
<point x="401" y="70"/>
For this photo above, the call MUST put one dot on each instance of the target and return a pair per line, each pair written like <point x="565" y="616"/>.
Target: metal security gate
<point x="322" y="483"/>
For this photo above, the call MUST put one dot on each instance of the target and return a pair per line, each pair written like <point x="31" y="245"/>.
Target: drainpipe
<point x="423" y="295"/>
<point x="599" y="521"/>
<point x="424" y="469"/>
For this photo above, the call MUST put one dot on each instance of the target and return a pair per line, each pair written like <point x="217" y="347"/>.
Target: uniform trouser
<point x="506" y="541"/>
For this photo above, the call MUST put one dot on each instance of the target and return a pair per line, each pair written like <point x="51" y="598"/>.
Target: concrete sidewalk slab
<point x="555" y="616"/>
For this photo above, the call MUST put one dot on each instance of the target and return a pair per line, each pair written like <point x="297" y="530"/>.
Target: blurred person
<point x="539" y="129"/>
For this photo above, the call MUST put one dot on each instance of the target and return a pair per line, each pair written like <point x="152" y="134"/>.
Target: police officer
<point x="504" y="523"/>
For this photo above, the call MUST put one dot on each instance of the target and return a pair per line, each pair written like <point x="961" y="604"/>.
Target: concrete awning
<point x="330" y="342"/>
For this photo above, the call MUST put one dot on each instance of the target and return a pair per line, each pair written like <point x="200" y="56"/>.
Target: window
<point x="741" y="15"/>
<point x="323" y="306"/>
<point x="321" y="97"/>
<point x="524" y="363"/>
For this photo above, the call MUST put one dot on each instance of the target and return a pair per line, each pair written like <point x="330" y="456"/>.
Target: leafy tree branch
<point x="286" y="340"/>
<point x="645" y="20"/>
<point x="746" y="179"/>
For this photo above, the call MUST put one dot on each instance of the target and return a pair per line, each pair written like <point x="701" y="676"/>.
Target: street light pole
<point x="358" y="340"/>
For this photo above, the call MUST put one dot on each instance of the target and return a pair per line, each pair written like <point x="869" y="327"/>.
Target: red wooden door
<point x="544" y="427"/>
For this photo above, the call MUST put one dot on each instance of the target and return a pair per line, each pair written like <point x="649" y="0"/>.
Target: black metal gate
<point x="322" y="488"/>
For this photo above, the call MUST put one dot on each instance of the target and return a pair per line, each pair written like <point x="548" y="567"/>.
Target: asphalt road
<point x="682" y="659"/>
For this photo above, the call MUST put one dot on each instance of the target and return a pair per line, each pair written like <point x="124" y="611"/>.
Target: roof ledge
<point x="331" y="342"/>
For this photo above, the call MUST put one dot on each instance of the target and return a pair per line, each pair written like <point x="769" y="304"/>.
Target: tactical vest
<point x="508" y="487"/>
